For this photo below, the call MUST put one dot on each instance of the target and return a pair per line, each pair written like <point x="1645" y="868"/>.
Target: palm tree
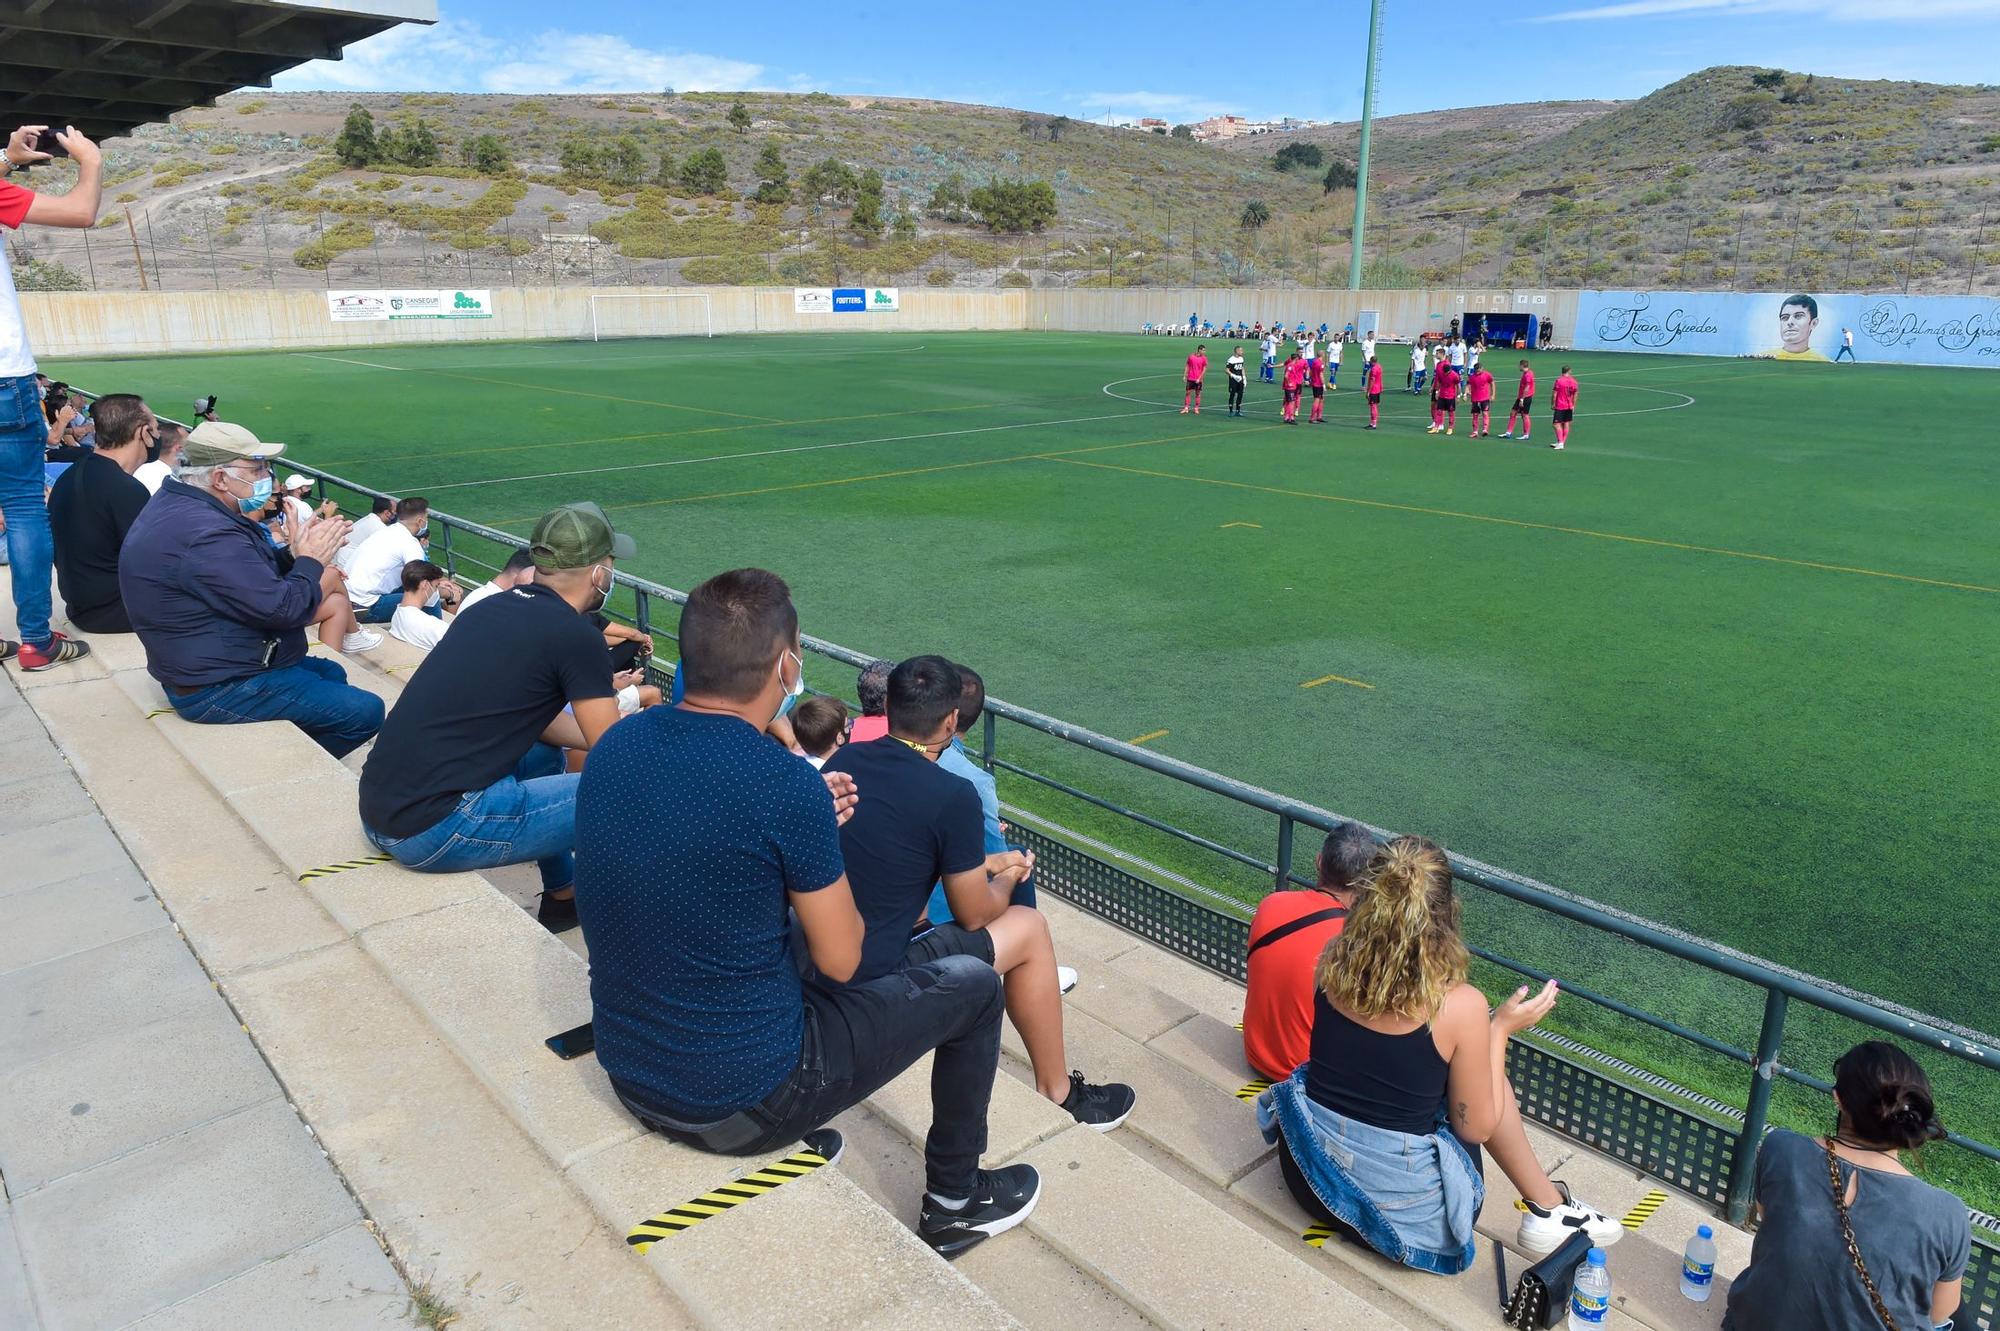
<point x="1255" y="214"/>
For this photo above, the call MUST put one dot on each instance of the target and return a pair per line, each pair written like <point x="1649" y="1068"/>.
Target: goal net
<point x="649" y="314"/>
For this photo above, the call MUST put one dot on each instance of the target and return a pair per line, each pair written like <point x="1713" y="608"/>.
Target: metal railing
<point x="1781" y="988"/>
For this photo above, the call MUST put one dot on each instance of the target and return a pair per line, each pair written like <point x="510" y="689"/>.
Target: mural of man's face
<point x="1795" y="327"/>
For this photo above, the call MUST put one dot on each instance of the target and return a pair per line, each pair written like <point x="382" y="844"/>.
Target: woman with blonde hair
<point x="1379" y="1131"/>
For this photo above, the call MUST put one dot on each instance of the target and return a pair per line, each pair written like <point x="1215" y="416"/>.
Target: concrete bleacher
<point x="405" y="1015"/>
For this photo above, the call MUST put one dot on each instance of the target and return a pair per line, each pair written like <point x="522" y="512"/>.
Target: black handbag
<point x="1542" y="1297"/>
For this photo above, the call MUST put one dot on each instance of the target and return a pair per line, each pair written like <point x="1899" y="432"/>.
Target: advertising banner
<point x="849" y="300"/>
<point x="885" y="298"/>
<point x="366" y="306"/>
<point x="812" y="300"/>
<point x="1793" y="326"/>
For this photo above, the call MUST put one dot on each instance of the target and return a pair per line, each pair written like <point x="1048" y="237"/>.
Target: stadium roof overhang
<point x="106" y="66"/>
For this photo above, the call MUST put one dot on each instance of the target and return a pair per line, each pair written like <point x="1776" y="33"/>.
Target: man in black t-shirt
<point x="917" y="824"/>
<point x="93" y="505"/>
<point x="460" y="777"/>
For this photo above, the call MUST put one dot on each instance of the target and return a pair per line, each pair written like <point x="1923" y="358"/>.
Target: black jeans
<point x="858" y="1038"/>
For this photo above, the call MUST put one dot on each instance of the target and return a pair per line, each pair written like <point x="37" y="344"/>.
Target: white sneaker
<point x="1065" y="979"/>
<point x="1508" y="435"/>
<point x="1556" y="446"/>
<point x="360" y="641"/>
<point x="1545" y="1231"/>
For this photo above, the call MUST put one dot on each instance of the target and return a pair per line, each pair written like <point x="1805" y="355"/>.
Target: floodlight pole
<point x="1361" y="164"/>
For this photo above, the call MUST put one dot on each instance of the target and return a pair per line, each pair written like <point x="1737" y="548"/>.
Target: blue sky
<point x="1180" y="61"/>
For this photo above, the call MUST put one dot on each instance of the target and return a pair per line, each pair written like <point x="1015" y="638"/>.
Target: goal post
<point x="650" y="314"/>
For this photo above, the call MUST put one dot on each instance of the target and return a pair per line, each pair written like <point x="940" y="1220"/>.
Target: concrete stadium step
<point x="489" y="984"/>
<point x="416" y="1137"/>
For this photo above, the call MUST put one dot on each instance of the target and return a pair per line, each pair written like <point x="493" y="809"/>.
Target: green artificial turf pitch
<point x="1727" y="662"/>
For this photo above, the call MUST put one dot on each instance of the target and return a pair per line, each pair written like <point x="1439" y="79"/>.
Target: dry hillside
<point x="1730" y="175"/>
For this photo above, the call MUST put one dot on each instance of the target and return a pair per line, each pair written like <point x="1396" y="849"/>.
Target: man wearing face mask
<point x="375" y="574"/>
<point x="221" y="617"/>
<point x="462" y="776"/>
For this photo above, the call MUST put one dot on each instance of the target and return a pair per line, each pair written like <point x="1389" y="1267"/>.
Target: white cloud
<point x="1168" y="105"/>
<point x="1844" y="11"/>
<point x="457" y="55"/>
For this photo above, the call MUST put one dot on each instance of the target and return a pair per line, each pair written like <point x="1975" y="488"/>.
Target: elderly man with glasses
<point x="221" y="615"/>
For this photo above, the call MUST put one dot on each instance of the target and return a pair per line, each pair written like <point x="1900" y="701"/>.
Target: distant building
<point x="1151" y="122"/>
<point x="1221" y="127"/>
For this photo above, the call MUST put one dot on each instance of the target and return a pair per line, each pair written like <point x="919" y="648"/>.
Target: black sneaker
<point x="1101" y="1107"/>
<point x="1001" y="1199"/>
<point x="826" y="1143"/>
<point x="557" y="914"/>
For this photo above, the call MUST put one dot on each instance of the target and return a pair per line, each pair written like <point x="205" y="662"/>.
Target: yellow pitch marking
<point x="1150" y="736"/>
<point x="1334" y="679"/>
<point x="1227" y="525"/>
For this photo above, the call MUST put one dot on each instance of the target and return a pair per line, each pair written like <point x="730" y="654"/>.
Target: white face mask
<point x="796" y="689"/>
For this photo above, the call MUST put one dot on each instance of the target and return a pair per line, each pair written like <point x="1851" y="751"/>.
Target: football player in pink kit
<point x="1524" y="402"/>
<point x="1197" y="366"/>
<point x="1565" y="406"/>
<point x="1372" y="383"/>
<point x="1482" y="403"/>
<point x="1295" y="375"/>
<point x="1316" y="377"/>
<point x="1444" y="405"/>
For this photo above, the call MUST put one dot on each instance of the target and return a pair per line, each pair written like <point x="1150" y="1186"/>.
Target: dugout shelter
<point x="107" y="66"/>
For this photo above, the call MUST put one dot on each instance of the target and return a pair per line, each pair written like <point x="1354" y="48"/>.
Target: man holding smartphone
<point x="24" y="433"/>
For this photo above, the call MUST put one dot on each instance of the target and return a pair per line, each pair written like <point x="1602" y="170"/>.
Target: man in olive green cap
<point x="475" y="718"/>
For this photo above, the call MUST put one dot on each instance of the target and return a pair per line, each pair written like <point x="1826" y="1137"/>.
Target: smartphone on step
<point x="573" y="1043"/>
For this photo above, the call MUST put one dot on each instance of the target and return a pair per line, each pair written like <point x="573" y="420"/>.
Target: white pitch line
<point x="778" y="452"/>
<point x="348" y="360"/>
<point x="661" y="357"/>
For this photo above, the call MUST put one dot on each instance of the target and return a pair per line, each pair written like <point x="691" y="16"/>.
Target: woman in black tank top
<point x="1402" y="1042"/>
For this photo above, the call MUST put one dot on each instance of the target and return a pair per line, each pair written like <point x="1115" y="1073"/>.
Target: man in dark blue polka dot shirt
<point x="698" y="840"/>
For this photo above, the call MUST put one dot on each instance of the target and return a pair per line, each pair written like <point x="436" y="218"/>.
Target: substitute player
<point x="1458" y="359"/>
<point x="1309" y="349"/>
<point x="1316" y="380"/>
<point x="1233" y="367"/>
<point x="1418" y="368"/>
<point x="1565" y="396"/>
<point x="1524" y="403"/>
<point x="1333" y="365"/>
<point x="1197" y="366"/>
<point x="1371" y="380"/>
<point x="1481" y="394"/>
<point x="1269" y="369"/>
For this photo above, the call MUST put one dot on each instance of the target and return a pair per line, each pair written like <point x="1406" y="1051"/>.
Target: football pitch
<point x="1727" y="662"/>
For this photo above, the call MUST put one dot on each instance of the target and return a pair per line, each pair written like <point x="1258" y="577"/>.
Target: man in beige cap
<point x="222" y="619"/>
<point x="465" y="774"/>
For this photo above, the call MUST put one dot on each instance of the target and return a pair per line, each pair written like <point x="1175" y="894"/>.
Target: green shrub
<point x="1014" y="277"/>
<point x="339" y="239"/>
<point x="48" y="275"/>
<point x="940" y="277"/>
<point x="740" y="270"/>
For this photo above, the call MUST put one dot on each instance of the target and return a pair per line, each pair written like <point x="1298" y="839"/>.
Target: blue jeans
<point x="313" y="695"/>
<point x="529" y="815"/>
<point x="24" y="444"/>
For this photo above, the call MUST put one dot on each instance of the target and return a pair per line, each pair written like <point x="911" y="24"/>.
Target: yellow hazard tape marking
<point x="1316" y="1235"/>
<point x="343" y="866"/>
<point x="1150" y="736"/>
<point x="1258" y="525"/>
<point x="1643" y="1212"/>
<point x="731" y="1194"/>
<point x="159" y="711"/>
<point x="1250" y="1090"/>
<point x="1334" y="679"/>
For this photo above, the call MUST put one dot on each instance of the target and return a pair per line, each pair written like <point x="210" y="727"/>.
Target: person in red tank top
<point x="1287" y="935"/>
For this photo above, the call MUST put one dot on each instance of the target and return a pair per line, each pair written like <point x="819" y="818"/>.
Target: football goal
<point x="649" y="314"/>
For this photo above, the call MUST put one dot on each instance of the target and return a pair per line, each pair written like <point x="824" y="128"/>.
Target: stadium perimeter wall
<point x="158" y="323"/>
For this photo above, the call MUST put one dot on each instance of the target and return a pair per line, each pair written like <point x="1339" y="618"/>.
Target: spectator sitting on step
<point x="1846" y="1236"/>
<point x="918" y="824"/>
<point x="820" y="724"/>
<point x="518" y="571"/>
<point x="467" y="773"/>
<point x="1378" y="1133"/>
<point x="695" y="835"/>
<point x="1287" y="936"/>
<point x="91" y="507"/>
<point x="381" y="512"/>
<point x="163" y="456"/>
<point x="375" y="577"/>
<point x="871" y="690"/>
<point x="221" y="618"/>
<point x="299" y="510"/>
<point x="410" y="622"/>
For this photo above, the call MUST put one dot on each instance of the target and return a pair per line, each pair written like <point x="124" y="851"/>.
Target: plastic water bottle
<point x="1590" y="1297"/>
<point x="1698" y="1266"/>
